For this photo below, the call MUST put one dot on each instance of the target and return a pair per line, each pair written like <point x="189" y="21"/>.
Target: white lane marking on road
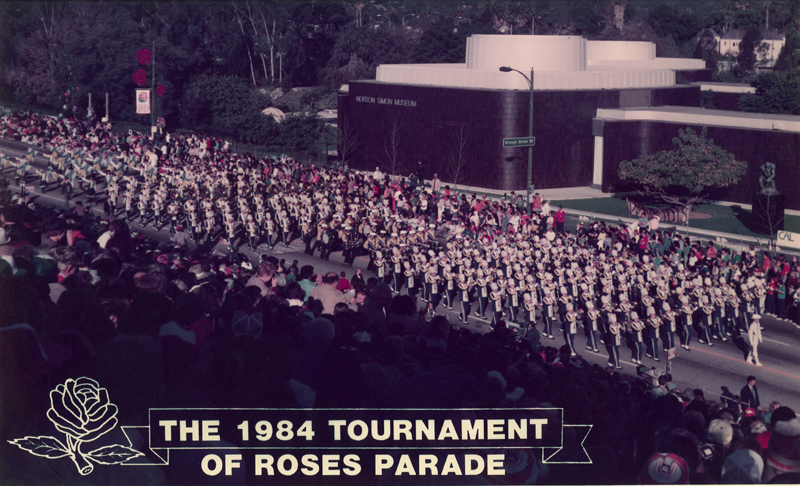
<point x="777" y="342"/>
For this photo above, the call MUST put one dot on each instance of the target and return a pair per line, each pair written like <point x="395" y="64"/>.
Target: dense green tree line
<point x="220" y="62"/>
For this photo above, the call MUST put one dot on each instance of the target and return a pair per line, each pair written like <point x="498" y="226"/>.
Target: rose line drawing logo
<point x="81" y="410"/>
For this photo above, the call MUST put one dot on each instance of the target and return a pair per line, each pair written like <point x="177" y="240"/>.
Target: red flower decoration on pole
<point x="160" y="90"/>
<point x="140" y="77"/>
<point x="144" y="56"/>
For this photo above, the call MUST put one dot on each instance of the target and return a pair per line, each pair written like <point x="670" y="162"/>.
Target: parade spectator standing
<point x="181" y="239"/>
<point x="749" y="394"/>
<point x="358" y="279"/>
<point x="344" y="284"/>
<point x="327" y="293"/>
<point x="436" y="184"/>
<point x="305" y="280"/>
<point x="536" y="204"/>
<point x="559" y="217"/>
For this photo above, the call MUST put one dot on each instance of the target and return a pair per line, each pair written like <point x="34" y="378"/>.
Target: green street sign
<point x="519" y="142"/>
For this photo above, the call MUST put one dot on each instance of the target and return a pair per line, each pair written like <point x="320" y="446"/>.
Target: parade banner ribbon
<point x="280" y="444"/>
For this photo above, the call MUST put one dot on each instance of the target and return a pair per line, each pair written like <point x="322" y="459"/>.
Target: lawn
<point x="727" y="219"/>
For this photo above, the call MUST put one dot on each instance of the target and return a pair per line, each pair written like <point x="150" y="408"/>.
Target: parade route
<point x="718" y="370"/>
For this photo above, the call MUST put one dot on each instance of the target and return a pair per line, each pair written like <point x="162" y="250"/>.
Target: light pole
<point x="529" y="185"/>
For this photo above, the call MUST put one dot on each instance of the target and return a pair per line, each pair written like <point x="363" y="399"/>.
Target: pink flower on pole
<point x="160" y="90"/>
<point x="144" y="56"/>
<point x="140" y="77"/>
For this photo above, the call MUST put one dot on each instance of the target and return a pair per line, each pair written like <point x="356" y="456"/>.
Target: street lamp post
<point x="529" y="185"/>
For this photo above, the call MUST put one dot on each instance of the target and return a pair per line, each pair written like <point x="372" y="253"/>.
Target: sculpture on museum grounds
<point x="768" y="204"/>
<point x="767" y="179"/>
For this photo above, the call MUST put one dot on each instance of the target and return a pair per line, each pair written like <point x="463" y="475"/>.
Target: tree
<point x="686" y="175"/>
<point x="459" y="155"/>
<point x="517" y="14"/>
<point x="495" y="10"/>
<point x="443" y="42"/>
<point x="585" y="18"/>
<point x="776" y="92"/>
<point x="393" y="163"/>
<point x="789" y="57"/>
<point x="225" y="105"/>
<point x="347" y="138"/>
<point x="706" y="49"/>
<point x="358" y="52"/>
<point x="667" y="22"/>
<point x="300" y="135"/>
<point x="746" y="60"/>
<point x="747" y="19"/>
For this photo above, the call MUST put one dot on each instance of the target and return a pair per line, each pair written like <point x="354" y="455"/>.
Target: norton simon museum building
<point x="596" y="103"/>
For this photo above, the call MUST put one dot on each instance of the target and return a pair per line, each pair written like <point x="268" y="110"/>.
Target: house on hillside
<point x="771" y="45"/>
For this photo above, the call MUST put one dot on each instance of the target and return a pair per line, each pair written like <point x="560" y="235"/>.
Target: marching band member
<point x="483" y="294"/>
<point x="707" y="320"/>
<point x="513" y="299"/>
<point x="410" y="276"/>
<point x="450" y="285"/>
<point x="654" y="325"/>
<point x="669" y="318"/>
<point x="591" y="327"/>
<point x="687" y="314"/>
<point x="252" y="232"/>
<point x="530" y="310"/>
<point x="432" y="285"/>
<point x="463" y="293"/>
<point x="637" y="337"/>
<point x="571" y="328"/>
<point x="615" y="341"/>
<point x="397" y="266"/>
<point x="548" y="313"/>
<point x="497" y="304"/>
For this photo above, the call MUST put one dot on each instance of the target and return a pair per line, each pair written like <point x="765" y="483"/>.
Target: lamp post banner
<point x="142" y="101"/>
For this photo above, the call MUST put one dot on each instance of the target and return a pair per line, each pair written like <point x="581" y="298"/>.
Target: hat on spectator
<point x="197" y="269"/>
<point x="664" y="468"/>
<point x="750" y="412"/>
<point x="757" y="427"/>
<point x="742" y="467"/>
<point x="4" y="238"/>
<point x="783" y="452"/>
<point x="720" y="432"/>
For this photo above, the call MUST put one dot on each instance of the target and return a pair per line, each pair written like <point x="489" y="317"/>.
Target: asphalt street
<point x="717" y="370"/>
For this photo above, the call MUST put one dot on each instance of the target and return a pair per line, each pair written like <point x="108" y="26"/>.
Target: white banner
<point x="787" y="239"/>
<point x="142" y="101"/>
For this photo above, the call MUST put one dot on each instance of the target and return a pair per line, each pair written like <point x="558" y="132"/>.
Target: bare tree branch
<point x="393" y="163"/>
<point x="459" y="156"/>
